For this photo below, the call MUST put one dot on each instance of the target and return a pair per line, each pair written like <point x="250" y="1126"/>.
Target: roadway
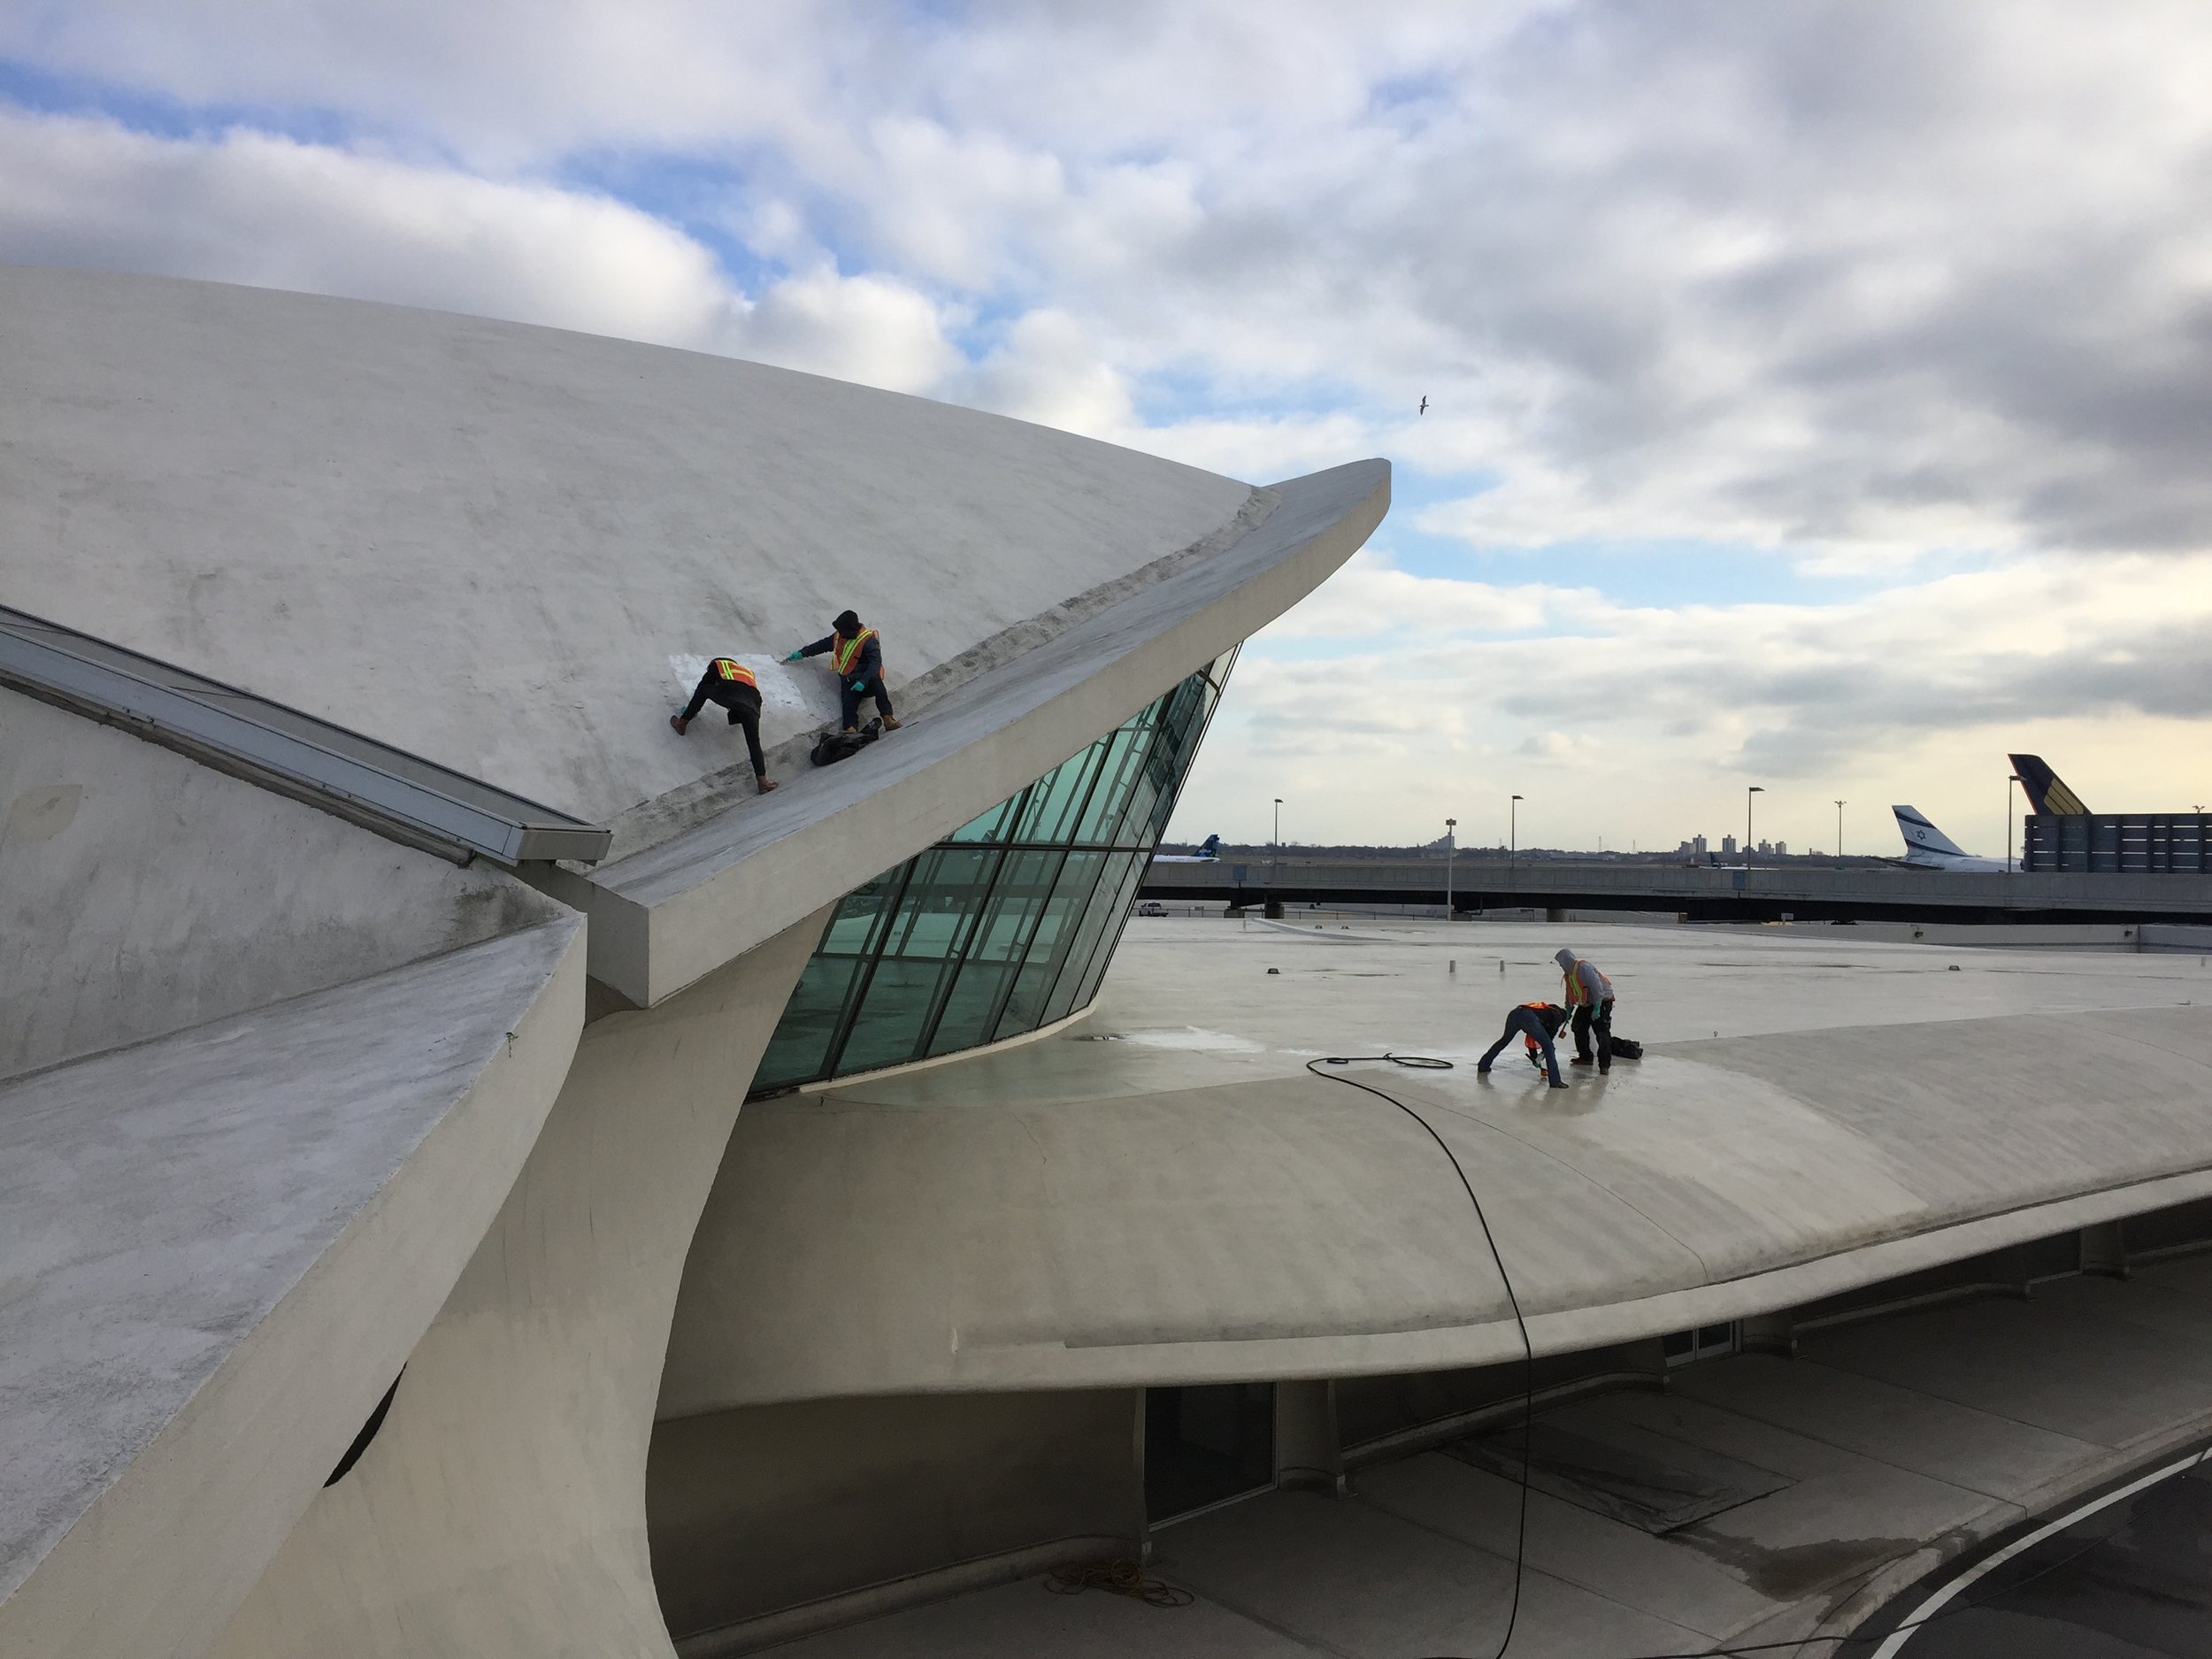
<point x="1759" y="893"/>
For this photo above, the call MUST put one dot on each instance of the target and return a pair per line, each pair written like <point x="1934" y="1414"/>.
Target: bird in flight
<point x="1425" y="407"/>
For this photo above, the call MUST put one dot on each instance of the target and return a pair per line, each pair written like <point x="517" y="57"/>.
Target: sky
<point x="1820" y="396"/>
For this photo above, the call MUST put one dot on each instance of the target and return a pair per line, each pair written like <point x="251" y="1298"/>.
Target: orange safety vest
<point x="1527" y="1042"/>
<point x="846" y="652"/>
<point x="738" y="671"/>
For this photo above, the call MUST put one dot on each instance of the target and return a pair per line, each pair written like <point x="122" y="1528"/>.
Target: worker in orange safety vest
<point x="1537" y="1024"/>
<point x="856" y="655"/>
<point x="1590" y="1000"/>
<point x="731" y="685"/>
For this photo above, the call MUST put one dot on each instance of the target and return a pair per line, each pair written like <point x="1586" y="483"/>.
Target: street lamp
<point x="1451" y="847"/>
<point x="1278" y="842"/>
<point x="1512" y="833"/>
<point x="1839" y="806"/>
<point x="1756" y="789"/>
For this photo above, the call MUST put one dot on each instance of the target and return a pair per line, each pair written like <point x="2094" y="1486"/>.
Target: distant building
<point x="1728" y="846"/>
<point x="1781" y="848"/>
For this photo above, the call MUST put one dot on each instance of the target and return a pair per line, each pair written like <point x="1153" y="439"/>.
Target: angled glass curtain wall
<point x="1004" y="925"/>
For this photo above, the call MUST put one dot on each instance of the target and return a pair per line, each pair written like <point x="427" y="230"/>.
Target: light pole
<point x="1839" y="806"/>
<point x="1756" y="789"/>
<point x="2011" y="777"/>
<point x="1451" y="847"/>
<point x="1512" y="833"/>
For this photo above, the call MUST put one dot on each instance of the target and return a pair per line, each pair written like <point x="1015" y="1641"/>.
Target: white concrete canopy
<point x="509" y="549"/>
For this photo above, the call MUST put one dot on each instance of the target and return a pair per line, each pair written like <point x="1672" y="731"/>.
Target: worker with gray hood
<point x="1589" y="998"/>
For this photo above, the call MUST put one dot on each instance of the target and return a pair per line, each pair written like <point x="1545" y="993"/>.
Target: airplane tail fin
<point x="2047" y="792"/>
<point x="1922" y="836"/>
<point x="1210" y="848"/>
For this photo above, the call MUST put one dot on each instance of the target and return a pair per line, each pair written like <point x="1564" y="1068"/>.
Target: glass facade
<point x="1004" y="925"/>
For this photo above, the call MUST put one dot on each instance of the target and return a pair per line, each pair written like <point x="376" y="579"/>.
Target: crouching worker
<point x="1536" y="1024"/>
<point x="856" y="654"/>
<point x="731" y="685"/>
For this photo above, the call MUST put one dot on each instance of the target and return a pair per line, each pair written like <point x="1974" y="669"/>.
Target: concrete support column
<point x="1307" y="1456"/>
<point x="2104" y="1249"/>
<point x="1769" y="1333"/>
<point x="500" y="1512"/>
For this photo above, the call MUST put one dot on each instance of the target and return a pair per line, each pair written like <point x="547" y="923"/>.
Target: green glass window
<point x="1006" y="925"/>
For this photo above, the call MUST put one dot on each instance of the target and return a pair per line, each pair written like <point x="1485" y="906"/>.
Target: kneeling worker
<point x="1536" y="1024"/>
<point x="1590" y="995"/>
<point x="856" y="655"/>
<point x="733" y="687"/>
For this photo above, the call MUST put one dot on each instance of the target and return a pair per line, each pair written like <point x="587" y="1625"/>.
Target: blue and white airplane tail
<point x="1209" y="852"/>
<point x="1928" y="848"/>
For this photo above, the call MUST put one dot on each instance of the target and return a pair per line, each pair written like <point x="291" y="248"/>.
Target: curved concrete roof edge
<point x="986" y="1368"/>
<point x="666" y="917"/>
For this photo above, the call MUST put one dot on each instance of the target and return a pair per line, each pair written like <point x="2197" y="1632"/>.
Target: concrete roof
<point x="1162" y="1194"/>
<point x="508" y="547"/>
<point x="674" y="911"/>
<point x="250" y="1197"/>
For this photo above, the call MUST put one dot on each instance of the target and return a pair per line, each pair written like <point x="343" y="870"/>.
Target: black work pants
<point x="850" y="698"/>
<point x="742" y="701"/>
<point x="1524" y="1022"/>
<point x="1601" y="1021"/>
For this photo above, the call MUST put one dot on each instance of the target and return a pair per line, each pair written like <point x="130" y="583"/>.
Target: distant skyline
<point x="1818" y="396"/>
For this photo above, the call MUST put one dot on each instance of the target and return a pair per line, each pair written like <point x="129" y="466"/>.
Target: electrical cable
<point x="1121" y="1577"/>
<point x="1520" y="1524"/>
<point x="1424" y="1063"/>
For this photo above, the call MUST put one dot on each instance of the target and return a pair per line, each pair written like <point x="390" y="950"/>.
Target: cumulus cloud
<point x="243" y="206"/>
<point x="1846" y="285"/>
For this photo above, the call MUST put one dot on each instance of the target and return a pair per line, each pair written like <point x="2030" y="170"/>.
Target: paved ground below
<point x="2132" y="1581"/>
<point x="1883" y="1439"/>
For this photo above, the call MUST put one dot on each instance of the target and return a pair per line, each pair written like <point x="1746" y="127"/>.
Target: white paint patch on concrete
<point x="803" y="691"/>
<point x="1192" y="1039"/>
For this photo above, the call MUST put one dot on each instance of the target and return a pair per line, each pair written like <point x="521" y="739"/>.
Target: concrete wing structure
<point x="411" y="1192"/>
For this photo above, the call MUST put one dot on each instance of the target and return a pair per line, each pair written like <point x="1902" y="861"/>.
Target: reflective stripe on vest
<point x="846" y="652"/>
<point x="1578" y="994"/>
<point x="735" y="671"/>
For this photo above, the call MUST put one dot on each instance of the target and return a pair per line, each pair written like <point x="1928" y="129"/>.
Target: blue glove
<point x="860" y="685"/>
<point x="795" y="656"/>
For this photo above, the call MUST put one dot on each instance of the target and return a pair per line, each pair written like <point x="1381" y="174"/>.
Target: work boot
<point x="1582" y="1059"/>
<point x="762" y="784"/>
<point x="1559" y="1085"/>
<point x="679" y="723"/>
<point x="890" y="722"/>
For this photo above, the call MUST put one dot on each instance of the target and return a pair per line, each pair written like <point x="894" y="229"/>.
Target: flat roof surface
<point x="1162" y="1192"/>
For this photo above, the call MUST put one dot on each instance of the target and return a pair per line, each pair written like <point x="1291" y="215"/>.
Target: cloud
<point x="1870" y="290"/>
<point x="243" y="206"/>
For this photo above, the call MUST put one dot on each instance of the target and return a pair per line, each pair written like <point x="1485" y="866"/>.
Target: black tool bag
<point x="1627" y="1048"/>
<point x="833" y="746"/>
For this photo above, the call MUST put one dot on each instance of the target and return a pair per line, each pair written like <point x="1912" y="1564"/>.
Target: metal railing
<point x="284" y="749"/>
